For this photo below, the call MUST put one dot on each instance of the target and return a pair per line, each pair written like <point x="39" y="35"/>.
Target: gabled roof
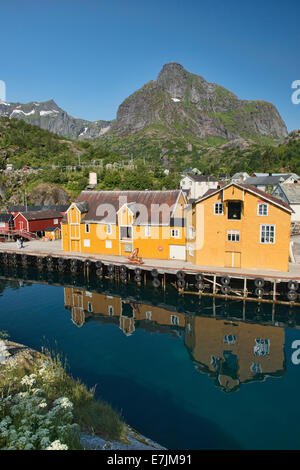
<point x="291" y="192"/>
<point x="201" y="178"/>
<point x="40" y="215"/>
<point x="267" y="179"/>
<point x="252" y="189"/>
<point x="100" y="203"/>
<point x="51" y="229"/>
<point x="60" y="208"/>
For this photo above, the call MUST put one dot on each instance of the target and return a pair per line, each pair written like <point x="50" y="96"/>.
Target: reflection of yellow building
<point x="235" y="352"/>
<point x="232" y="352"/>
<point x="83" y="302"/>
<point x="117" y="222"/>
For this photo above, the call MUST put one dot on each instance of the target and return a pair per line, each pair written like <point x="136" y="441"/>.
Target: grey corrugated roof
<point x="266" y="180"/>
<point x="59" y="208"/>
<point x="200" y="178"/>
<point x="5" y="217"/>
<point x="292" y="192"/>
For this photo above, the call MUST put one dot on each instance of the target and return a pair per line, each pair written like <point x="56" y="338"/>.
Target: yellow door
<point x="232" y="259"/>
<point x="75" y="245"/>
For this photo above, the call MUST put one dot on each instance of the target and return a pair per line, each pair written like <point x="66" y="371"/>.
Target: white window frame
<point x="265" y="231"/>
<point x="147" y="231"/>
<point x="191" y="232"/>
<point x="87" y="243"/>
<point x="233" y="234"/>
<point x="55" y="221"/>
<point x="217" y="205"/>
<point x="111" y="310"/>
<point x="229" y="339"/>
<point x="148" y="315"/>
<point x="261" y="347"/>
<point x="90" y="307"/>
<point x="108" y="229"/>
<point x="262" y="205"/>
<point x="191" y="250"/>
<point x="174" y="320"/>
<point x="108" y="244"/>
<point x="87" y="228"/>
<point x="175" y="233"/>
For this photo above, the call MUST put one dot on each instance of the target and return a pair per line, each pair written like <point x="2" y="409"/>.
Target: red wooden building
<point x="37" y="222"/>
<point x="6" y="222"/>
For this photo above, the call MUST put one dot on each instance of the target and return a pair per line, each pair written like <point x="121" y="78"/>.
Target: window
<point x="262" y="209"/>
<point x="267" y="234"/>
<point x="218" y="208"/>
<point x="229" y="339"/>
<point x="174" y="320"/>
<point x="108" y="244"/>
<point x="191" y="250"/>
<point x="110" y="310"/>
<point x="214" y="362"/>
<point x="255" y="368"/>
<point x="175" y="233"/>
<point x="148" y="315"/>
<point x="262" y="347"/>
<point x="125" y="232"/>
<point x="90" y="307"/>
<point x="147" y="231"/>
<point x="108" y="229"/>
<point x="233" y="235"/>
<point x="191" y="232"/>
<point x="87" y="243"/>
<point x="55" y="221"/>
<point x="87" y="228"/>
<point x="128" y="247"/>
<point x="2" y="224"/>
<point x="234" y="210"/>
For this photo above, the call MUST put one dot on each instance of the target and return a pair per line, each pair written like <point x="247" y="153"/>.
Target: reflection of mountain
<point x="232" y="352"/>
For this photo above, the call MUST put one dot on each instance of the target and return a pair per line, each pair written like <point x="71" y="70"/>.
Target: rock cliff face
<point x="183" y="103"/>
<point x="188" y="105"/>
<point x="51" y="117"/>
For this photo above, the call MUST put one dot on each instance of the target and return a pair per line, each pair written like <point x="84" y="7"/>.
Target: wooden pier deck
<point x="53" y="248"/>
<point x="232" y="283"/>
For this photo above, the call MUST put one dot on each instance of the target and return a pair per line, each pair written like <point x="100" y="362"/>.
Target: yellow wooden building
<point x="118" y="222"/>
<point x="239" y="226"/>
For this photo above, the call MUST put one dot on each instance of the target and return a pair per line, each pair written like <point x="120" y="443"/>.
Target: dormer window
<point x="234" y="210"/>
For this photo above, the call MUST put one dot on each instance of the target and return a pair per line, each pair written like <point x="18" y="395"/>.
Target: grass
<point x="91" y="415"/>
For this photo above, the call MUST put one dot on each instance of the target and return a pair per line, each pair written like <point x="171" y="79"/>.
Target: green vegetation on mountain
<point x="137" y="161"/>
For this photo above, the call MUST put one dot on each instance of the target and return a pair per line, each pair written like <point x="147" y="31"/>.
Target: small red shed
<point x="6" y="222"/>
<point x="37" y="222"/>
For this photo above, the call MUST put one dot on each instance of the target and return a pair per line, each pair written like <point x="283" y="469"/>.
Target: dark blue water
<point x="192" y="383"/>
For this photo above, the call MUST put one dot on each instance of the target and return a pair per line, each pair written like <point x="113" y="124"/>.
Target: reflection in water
<point x="232" y="352"/>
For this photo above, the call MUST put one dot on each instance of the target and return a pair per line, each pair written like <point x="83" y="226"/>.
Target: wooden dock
<point x="235" y="284"/>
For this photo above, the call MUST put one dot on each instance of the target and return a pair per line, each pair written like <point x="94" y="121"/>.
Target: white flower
<point x="63" y="402"/>
<point x="57" y="445"/>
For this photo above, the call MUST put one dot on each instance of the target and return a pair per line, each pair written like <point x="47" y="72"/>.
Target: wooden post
<point x="245" y="287"/>
<point x="274" y="290"/>
<point x="214" y="286"/>
<point x="214" y="306"/>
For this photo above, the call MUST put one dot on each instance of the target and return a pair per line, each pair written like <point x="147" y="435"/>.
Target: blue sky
<point x="90" y="55"/>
